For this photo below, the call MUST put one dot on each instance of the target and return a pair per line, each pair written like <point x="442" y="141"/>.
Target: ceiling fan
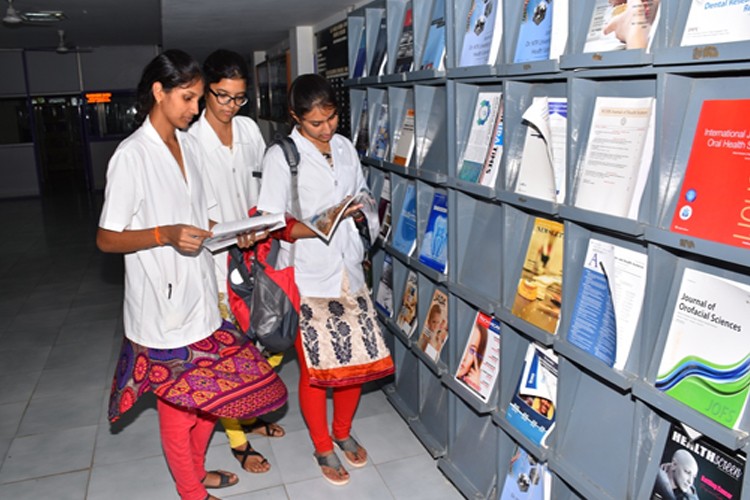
<point x="62" y="46"/>
<point x="38" y="17"/>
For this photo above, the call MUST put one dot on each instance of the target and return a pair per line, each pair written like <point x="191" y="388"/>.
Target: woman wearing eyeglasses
<point x="233" y="149"/>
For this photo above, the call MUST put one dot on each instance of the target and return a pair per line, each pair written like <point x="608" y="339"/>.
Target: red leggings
<point x="184" y="438"/>
<point x="312" y="403"/>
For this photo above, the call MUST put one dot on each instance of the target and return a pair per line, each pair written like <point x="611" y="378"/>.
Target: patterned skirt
<point x="223" y="375"/>
<point x="341" y="339"/>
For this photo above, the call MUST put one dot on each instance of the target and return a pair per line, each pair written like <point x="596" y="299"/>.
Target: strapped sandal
<point x="242" y="456"/>
<point x="225" y="479"/>
<point x="272" y="429"/>
<point x="349" y="445"/>
<point x="332" y="462"/>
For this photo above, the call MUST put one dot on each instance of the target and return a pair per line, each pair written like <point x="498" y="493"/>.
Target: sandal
<point x="333" y="463"/>
<point x="349" y="445"/>
<point x="225" y="479"/>
<point x="263" y="428"/>
<point x="242" y="455"/>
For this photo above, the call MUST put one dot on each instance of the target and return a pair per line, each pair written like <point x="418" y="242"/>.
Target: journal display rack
<point x="616" y="411"/>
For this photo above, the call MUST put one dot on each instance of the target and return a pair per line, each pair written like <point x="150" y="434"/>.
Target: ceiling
<point x="196" y="26"/>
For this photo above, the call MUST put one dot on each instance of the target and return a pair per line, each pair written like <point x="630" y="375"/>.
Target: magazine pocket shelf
<point x="431" y="423"/>
<point x="432" y="233"/>
<point x="429" y="39"/>
<point x="403" y="218"/>
<point x="474" y="37"/>
<point x="532" y="258"/>
<point x="703" y="182"/>
<point x="720" y="471"/>
<point x="376" y="36"/>
<point x="610" y="151"/>
<point x="471" y="334"/>
<point x="379" y="127"/>
<point x="477" y="273"/>
<point x="513" y="350"/>
<point x="585" y="442"/>
<point x="405" y="302"/>
<point x="395" y="13"/>
<point x="431" y="133"/>
<point x="703" y="32"/>
<point x="471" y="460"/>
<point x="699" y="349"/>
<point x="358" y="120"/>
<point x="401" y="118"/>
<point x="521" y="472"/>
<point x="603" y="295"/>
<point x="535" y="39"/>
<point x="403" y="393"/>
<point x="429" y="339"/>
<point x="538" y="182"/>
<point x="357" y="41"/>
<point x="587" y="48"/>
<point x="472" y="119"/>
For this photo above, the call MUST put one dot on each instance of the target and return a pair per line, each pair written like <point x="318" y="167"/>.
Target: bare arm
<point x="184" y="238"/>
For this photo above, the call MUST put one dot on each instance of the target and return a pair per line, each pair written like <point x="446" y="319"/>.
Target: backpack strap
<point x="289" y="148"/>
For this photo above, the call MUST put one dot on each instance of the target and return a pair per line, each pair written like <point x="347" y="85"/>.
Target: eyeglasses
<point x="239" y="100"/>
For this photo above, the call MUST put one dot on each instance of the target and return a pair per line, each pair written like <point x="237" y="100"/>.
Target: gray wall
<point x="49" y="73"/>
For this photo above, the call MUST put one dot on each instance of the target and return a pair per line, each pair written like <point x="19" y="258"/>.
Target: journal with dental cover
<point x="617" y="159"/>
<point x="696" y="467"/>
<point x="434" y="249"/>
<point x="713" y="198"/>
<point x="384" y="297"/>
<point x="488" y="176"/>
<point x="435" y="329"/>
<point x="404" y="140"/>
<point x="711" y="22"/>
<point x="407" y="315"/>
<point x="434" y="50"/>
<point x="480" y="362"/>
<point x="621" y="25"/>
<point x="534" y="404"/>
<point x="405" y="235"/>
<point x="541" y="173"/>
<point x="706" y="359"/>
<point x="535" y="31"/>
<point x="527" y="478"/>
<point x="481" y="136"/>
<point x="608" y="302"/>
<point x="483" y="32"/>
<point x="539" y="293"/>
<point x="405" y="52"/>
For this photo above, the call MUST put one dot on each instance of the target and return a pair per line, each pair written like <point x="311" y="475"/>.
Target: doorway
<point x="60" y="145"/>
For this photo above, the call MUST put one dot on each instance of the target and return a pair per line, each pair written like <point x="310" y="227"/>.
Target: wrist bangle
<point x="157" y="236"/>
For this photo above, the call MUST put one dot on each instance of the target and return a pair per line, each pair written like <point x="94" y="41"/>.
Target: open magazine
<point x="225" y="233"/>
<point x="324" y="223"/>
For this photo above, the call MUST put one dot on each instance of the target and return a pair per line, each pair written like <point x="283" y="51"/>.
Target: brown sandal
<point x="225" y="479"/>
<point x="349" y="445"/>
<point x="243" y="455"/>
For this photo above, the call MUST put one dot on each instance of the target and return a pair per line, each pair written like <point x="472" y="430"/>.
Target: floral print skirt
<point x="224" y="375"/>
<point x="341" y="339"/>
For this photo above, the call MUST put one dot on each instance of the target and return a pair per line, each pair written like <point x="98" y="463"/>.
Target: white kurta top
<point x="318" y="266"/>
<point x="230" y="174"/>
<point x="170" y="298"/>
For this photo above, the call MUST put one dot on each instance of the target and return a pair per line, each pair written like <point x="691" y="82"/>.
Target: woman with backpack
<point x="156" y="212"/>
<point x="340" y="345"/>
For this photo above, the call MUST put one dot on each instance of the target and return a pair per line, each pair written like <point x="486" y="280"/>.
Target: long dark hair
<point x="310" y="91"/>
<point x="172" y="68"/>
<point x="222" y="64"/>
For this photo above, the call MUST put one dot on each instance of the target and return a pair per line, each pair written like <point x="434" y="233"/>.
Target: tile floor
<point x="60" y="329"/>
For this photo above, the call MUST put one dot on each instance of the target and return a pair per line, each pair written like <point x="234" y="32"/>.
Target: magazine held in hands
<point x="324" y="223"/>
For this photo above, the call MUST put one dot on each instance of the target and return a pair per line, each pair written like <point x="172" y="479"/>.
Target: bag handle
<point x="238" y="256"/>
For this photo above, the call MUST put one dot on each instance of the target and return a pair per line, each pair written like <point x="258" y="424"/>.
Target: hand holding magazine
<point x="325" y="222"/>
<point x="225" y="233"/>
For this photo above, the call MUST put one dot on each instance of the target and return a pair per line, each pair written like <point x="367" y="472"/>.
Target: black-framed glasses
<point x="239" y="100"/>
